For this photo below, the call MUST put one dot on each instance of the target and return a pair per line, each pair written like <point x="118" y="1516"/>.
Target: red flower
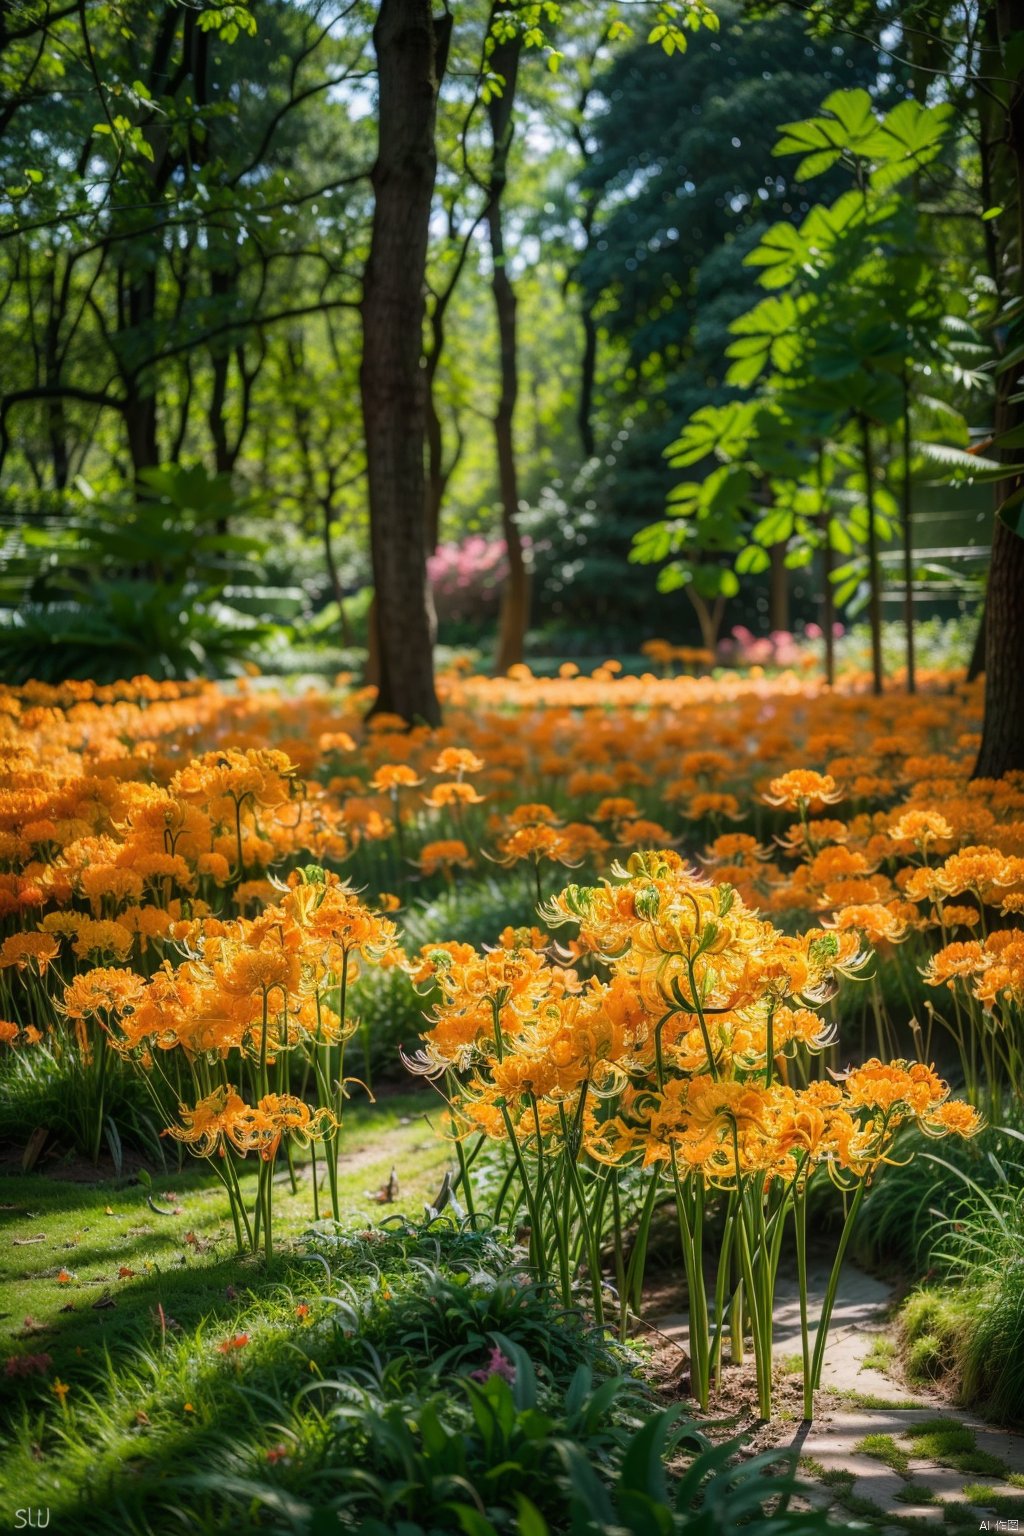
<point x="239" y="1341"/>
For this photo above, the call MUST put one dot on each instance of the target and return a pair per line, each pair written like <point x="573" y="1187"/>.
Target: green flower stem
<point x="833" y="1284"/>
<point x="638" y="1258"/>
<point x="690" y="1232"/>
<point x="591" y="1244"/>
<point x="316" y="1192"/>
<point x="537" y="1255"/>
<point x="460" y="1151"/>
<point x="800" y="1231"/>
<point x="702" y="1021"/>
<point x="721" y="1287"/>
<point x="620" y="1263"/>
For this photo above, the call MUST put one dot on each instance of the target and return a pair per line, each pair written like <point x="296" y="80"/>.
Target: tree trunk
<point x="976" y="665"/>
<point x="337" y="590"/>
<point x="778" y="593"/>
<point x="588" y="374"/>
<point x="1002" y="743"/>
<point x="137" y="317"/>
<point x="515" y="602"/>
<point x="828" y="611"/>
<point x="828" y="607"/>
<point x="438" y="471"/>
<point x="709" y="617"/>
<point x="908" y="544"/>
<point x="587" y="215"/>
<point x="874" y="571"/>
<point x="411" y="50"/>
<point x="223" y="282"/>
<point x="56" y="414"/>
<point x="436" y="477"/>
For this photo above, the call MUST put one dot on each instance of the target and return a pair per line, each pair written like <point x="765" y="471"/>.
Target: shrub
<point x="970" y="1330"/>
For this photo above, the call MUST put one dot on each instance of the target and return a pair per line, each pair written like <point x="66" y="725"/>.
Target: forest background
<point x="213" y="340"/>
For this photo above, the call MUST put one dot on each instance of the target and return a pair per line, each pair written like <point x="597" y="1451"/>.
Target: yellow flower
<point x="802" y="788"/>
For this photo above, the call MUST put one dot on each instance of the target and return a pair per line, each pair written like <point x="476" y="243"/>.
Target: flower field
<point x="707" y="946"/>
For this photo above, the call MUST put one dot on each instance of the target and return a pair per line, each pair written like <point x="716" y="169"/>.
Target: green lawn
<point x="95" y="1278"/>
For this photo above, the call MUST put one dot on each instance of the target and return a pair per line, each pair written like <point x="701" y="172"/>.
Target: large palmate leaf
<point x="846" y="125"/>
<point x="722" y="430"/>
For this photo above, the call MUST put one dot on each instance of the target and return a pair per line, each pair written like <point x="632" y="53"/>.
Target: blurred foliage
<point x="122" y="585"/>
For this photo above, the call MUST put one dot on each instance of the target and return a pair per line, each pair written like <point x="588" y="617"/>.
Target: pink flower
<point x="497" y="1365"/>
<point x="27" y="1365"/>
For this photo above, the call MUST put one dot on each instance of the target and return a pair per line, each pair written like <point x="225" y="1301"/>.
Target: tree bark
<point x="874" y="570"/>
<point x="411" y="49"/>
<point x="828" y="607"/>
<point x="1002" y="134"/>
<point x="778" y="595"/>
<point x="709" y="617"/>
<point x="515" y="603"/>
<point x="908" y="544"/>
<point x="976" y="665"/>
<point x="828" y="610"/>
<point x="438" y="471"/>
<point x="1002" y="741"/>
<point x="140" y="411"/>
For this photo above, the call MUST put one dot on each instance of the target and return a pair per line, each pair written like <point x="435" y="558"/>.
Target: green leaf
<point x="1014" y="438"/>
<point x="1010" y="359"/>
<point x="529" y="1520"/>
<point x="1011" y="512"/>
<point x="970" y="464"/>
<point x="752" y="560"/>
<point x="853" y="111"/>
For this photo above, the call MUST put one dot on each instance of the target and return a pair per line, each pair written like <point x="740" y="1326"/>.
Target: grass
<point x="286" y="1383"/>
<point x="182" y="1366"/>
<point x="836" y="1478"/>
<point x="1004" y="1504"/>
<point x="883" y="1448"/>
<point x="953" y="1444"/>
<point x="949" y="1443"/>
<point x="970" y="1335"/>
<point x="916" y="1493"/>
<point x="184" y="1262"/>
<point x="902" y="1224"/>
<point x="933" y="1324"/>
<point x="879" y="1400"/>
<point x="965" y="1325"/>
<point x="355" y="1388"/>
<point x="882" y="1353"/>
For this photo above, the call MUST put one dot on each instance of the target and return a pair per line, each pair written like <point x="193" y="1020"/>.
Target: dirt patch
<point x="732" y="1406"/>
<point x="57" y="1163"/>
